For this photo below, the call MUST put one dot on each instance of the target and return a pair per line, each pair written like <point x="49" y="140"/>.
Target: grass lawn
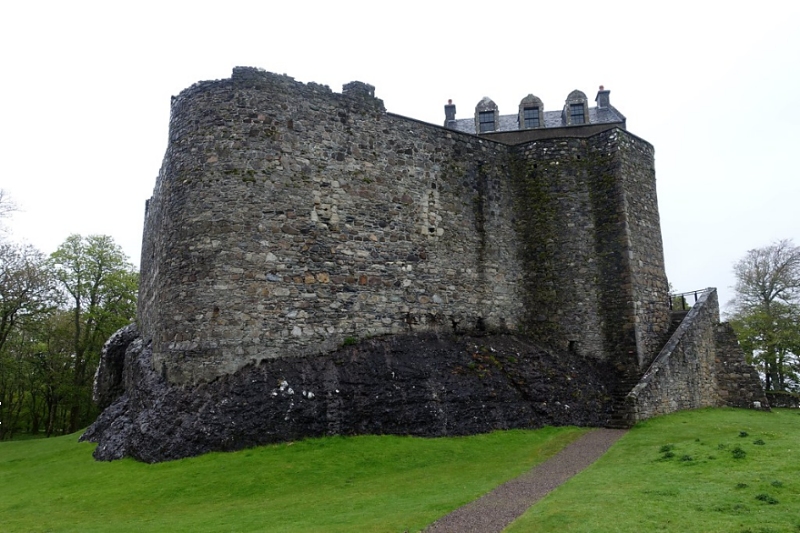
<point x="357" y="484"/>
<point x="714" y="470"/>
<point x="706" y="471"/>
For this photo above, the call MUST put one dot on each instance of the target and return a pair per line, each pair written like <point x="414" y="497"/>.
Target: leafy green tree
<point x="767" y="311"/>
<point x="98" y="288"/>
<point x="25" y="286"/>
<point x="52" y="391"/>
<point x="55" y="315"/>
<point x="25" y="295"/>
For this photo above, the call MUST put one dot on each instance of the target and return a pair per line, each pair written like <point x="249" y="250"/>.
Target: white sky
<point x="86" y="86"/>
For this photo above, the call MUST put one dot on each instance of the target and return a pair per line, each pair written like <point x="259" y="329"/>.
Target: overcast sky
<point x="86" y="89"/>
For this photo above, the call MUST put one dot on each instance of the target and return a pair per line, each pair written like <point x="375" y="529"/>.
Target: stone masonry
<point x="313" y="264"/>
<point x="702" y="365"/>
<point x="287" y="219"/>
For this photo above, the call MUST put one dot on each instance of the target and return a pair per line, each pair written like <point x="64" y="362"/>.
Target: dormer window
<point x="530" y="113"/>
<point x="576" y="114"/>
<point x="486" y="116"/>
<point x="486" y="121"/>
<point x="530" y="116"/>
<point x="576" y="111"/>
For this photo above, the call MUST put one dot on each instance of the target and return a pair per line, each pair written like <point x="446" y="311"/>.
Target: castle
<point x="288" y="221"/>
<point x="287" y="218"/>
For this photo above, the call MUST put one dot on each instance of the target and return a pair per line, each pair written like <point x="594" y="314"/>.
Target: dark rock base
<point x="417" y="384"/>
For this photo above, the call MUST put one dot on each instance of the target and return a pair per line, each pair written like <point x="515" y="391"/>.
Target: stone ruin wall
<point x="287" y="219"/>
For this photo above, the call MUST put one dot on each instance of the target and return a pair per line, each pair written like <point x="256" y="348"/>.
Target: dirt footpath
<point x="497" y="509"/>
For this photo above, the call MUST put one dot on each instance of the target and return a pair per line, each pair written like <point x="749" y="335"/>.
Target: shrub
<point x="766" y="498"/>
<point x="349" y="341"/>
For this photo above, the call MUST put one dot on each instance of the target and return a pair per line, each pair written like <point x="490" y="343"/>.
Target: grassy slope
<point x="395" y="483"/>
<point x="635" y="488"/>
<point x="360" y="484"/>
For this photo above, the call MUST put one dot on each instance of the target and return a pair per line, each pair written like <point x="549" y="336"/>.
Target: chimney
<point x="602" y="98"/>
<point x="358" y="88"/>
<point x="450" y="115"/>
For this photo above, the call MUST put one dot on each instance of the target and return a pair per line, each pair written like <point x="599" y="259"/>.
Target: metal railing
<point x="678" y="301"/>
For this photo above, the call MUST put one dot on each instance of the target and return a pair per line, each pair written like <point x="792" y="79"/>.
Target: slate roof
<point x="552" y="119"/>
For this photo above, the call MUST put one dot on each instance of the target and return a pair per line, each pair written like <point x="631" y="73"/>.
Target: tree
<point x="55" y="315"/>
<point x="25" y="294"/>
<point x="7" y="205"/>
<point x="99" y="289"/>
<point x="25" y="286"/>
<point x="767" y="309"/>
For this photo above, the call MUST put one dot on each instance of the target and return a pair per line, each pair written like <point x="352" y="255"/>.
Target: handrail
<point x="697" y="293"/>
<point x="682" y="295"/>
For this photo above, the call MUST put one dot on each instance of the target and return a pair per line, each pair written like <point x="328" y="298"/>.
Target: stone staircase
<point x="621" y="416"/>
<point x="621" y="410"/>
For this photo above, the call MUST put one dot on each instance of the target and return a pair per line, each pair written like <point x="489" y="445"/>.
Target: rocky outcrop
<point x="108" y="379"/>
<point x="415" y="384"/>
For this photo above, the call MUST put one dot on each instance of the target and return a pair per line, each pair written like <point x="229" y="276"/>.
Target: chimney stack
<point x="450" y="115"/>
<point x="602" y="99"/>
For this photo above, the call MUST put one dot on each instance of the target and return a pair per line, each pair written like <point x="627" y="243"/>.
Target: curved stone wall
<point x="287" y="219"/>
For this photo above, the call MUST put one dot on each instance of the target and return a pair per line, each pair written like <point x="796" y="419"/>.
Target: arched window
<point x="531" y="113"/>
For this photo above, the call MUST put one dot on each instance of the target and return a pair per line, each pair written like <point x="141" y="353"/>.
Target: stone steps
<point x="621" y="417"/>
<point x="620" y="414"/>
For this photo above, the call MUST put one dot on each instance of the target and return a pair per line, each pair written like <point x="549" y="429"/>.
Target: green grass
<point x="706" y="471"/>
<point x="364" y="484"/>
<point x="715" y="470"/>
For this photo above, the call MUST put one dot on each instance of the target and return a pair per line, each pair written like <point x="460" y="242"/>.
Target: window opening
<point x="531" y="117"/>
<point x="486" y="121"/>
<point x="576" y="113"/>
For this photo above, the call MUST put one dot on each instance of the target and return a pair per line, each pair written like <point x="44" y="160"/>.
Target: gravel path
<point x="496" y="510"/>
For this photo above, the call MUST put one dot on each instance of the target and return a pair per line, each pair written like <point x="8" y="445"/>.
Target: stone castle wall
<point x="588" y="217"/>
<point x="287" y="219"/>
<point x="647" y="283"/>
